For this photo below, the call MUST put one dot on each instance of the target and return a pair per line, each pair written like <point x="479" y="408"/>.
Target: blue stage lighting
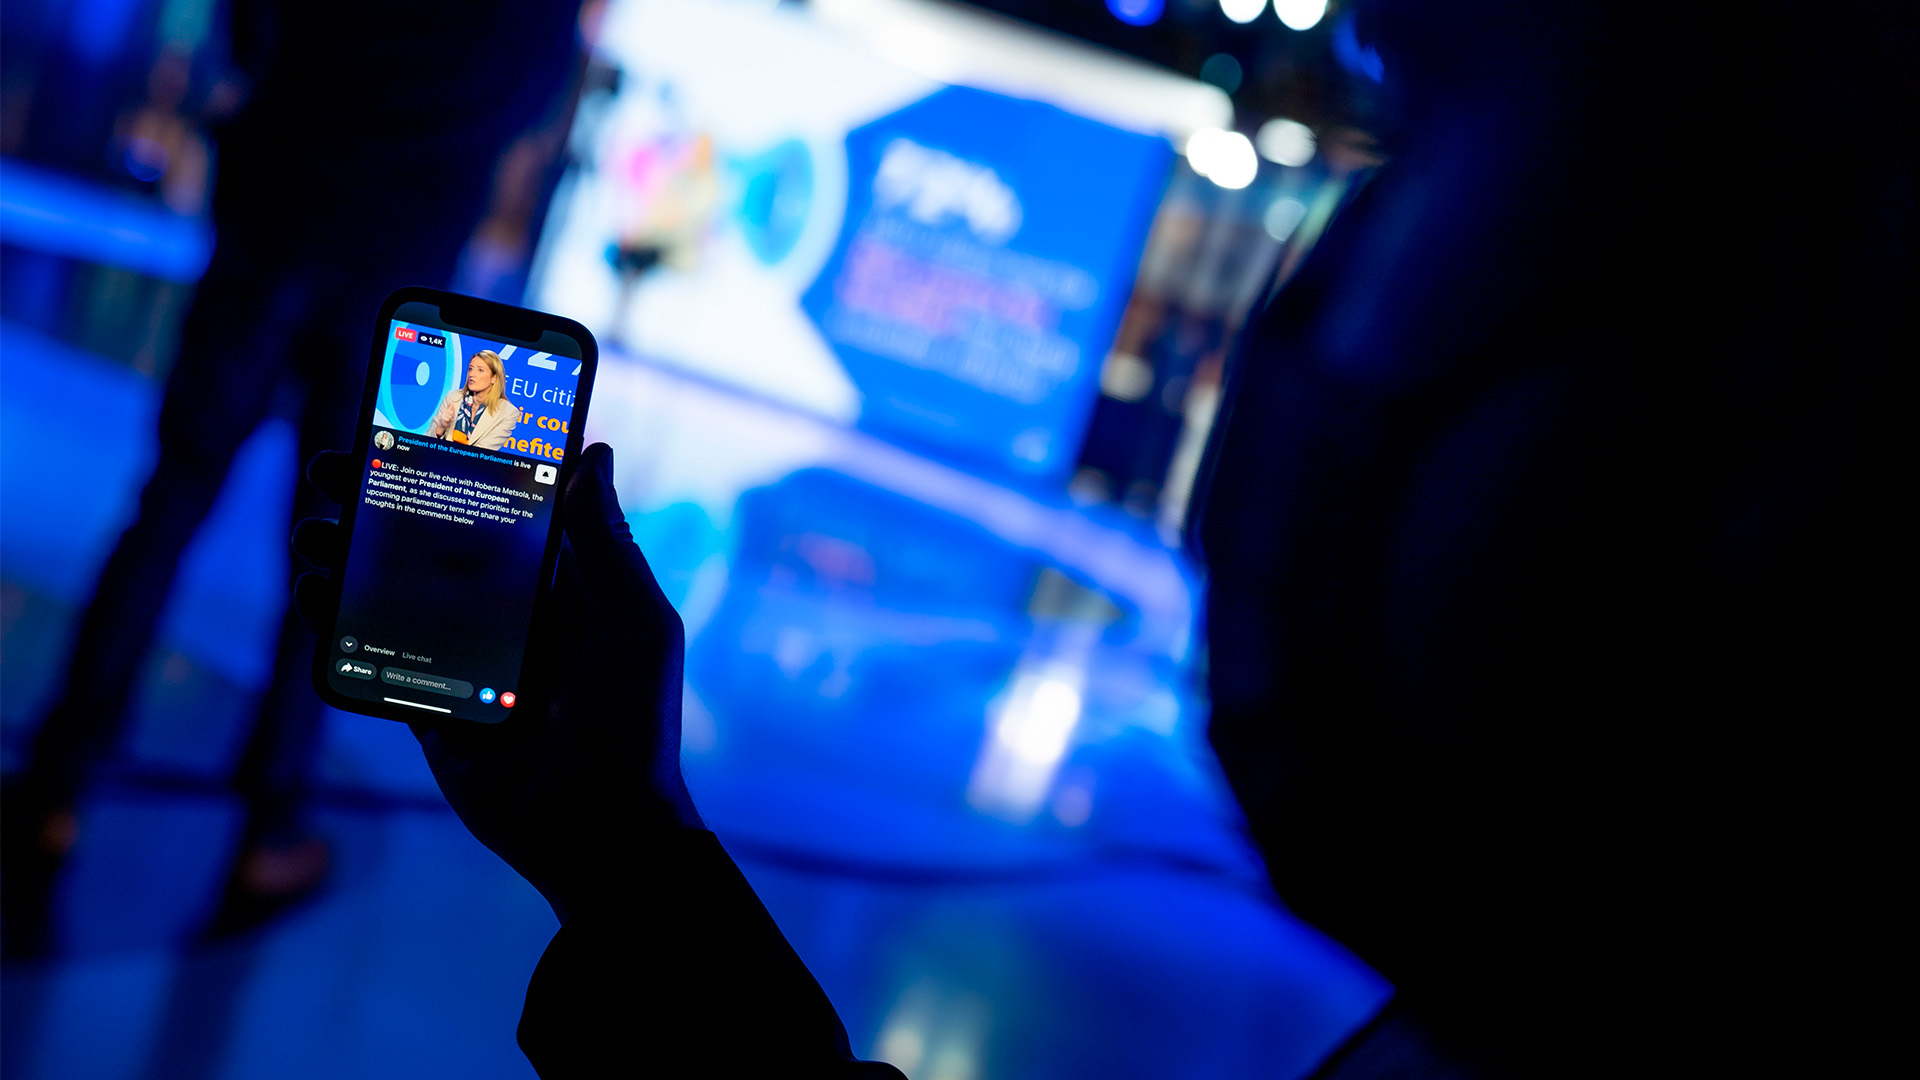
<point x="1137" y="12"/>
<point x="1359" y="59"/>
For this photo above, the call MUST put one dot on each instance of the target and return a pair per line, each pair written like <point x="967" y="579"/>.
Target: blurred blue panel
<point x="847" y="601"/>
<point x="1103" y="545"/>
<point x="822" y="532"/>
<point x="45" y="211"/>
<point x="988" y="250"/>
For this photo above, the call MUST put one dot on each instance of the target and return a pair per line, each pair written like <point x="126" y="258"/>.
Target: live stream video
<point x="467" y="390"/>
<point x="461" y="471"/>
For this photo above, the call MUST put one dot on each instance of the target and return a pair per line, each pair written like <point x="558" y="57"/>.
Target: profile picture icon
<point x="383" y="439"/>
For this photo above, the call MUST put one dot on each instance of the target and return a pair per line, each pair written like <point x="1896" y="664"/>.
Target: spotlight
<point x="1224" y="157"/>
<point x="1298" y="14"/>
<point x="1245" y="11"/>
<point x="1285" y="142"/>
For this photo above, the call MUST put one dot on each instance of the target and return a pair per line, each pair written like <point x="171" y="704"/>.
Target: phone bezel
<point x="502" y="322"/>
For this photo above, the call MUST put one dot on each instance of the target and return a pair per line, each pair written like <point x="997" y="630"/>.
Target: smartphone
<point x="470" y="423"/>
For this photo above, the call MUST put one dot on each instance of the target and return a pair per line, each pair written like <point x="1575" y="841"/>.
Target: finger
<point x="606" y="556"/>
<point x="332" y="473"/>
<point x="317" y="540"/>
<point x="590" y="505"/>
<point x="316" y="601"/>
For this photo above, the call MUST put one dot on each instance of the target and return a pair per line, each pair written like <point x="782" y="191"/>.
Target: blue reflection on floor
<point x="949" y="731"/>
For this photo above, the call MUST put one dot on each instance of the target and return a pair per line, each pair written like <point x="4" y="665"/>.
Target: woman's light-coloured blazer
<point x="490" y="433"/>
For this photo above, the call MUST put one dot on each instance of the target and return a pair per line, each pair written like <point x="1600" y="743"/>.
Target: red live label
<point x="406" y="333"/>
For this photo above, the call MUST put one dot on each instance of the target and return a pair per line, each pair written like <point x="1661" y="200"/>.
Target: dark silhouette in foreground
<point x="1546" y="533"/>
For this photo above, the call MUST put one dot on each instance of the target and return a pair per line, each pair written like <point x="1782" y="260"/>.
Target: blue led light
<point x="1137" y="12"/>
<point x="1362" y="60"/>
<point x="45" y="211"/>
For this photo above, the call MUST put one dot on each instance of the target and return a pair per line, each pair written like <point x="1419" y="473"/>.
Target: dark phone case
<point x="501" y="322"/>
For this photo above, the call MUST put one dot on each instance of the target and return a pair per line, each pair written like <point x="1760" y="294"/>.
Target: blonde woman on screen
<point x="478" y="413"/>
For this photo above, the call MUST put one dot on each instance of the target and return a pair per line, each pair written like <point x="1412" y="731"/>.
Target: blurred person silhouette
<point x="353" y="168"/>
<point x="158" y="143"/>
<point x="1545" y="537"/>
<point x="477" y="411"/>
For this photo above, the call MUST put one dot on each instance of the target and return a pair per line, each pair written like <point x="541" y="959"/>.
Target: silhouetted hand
<point x="577" y="786"/>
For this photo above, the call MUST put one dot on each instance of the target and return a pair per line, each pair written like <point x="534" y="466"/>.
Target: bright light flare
<point x="1027" y="737"/>
<point x="1038" y="720"/>
<point x="1245" y="11"/>
<point x="1285" y="142"/>
<point x="1224" y="157"/>
<point x="1298" y="14"/>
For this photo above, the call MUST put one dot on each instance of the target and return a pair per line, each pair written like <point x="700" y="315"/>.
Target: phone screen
<point x="449" y="537"/>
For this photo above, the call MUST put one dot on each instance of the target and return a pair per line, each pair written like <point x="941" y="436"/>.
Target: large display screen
<point x="768" y="201"/>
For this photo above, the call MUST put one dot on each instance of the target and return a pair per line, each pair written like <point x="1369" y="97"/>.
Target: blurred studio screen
<point x="941" y="262"/>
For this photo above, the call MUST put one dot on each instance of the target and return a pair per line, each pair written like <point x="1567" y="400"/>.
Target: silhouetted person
<point x="1544" y="535"/>
<point x="360" y="164"/>
<point x="1545" y="529"/>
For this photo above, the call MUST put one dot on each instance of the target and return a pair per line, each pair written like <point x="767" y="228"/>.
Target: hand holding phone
<point x="545" y="689"/>
<point x="584" y="776"/>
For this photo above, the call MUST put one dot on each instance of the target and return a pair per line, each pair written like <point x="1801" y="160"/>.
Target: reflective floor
<point x="949" y="730"/>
